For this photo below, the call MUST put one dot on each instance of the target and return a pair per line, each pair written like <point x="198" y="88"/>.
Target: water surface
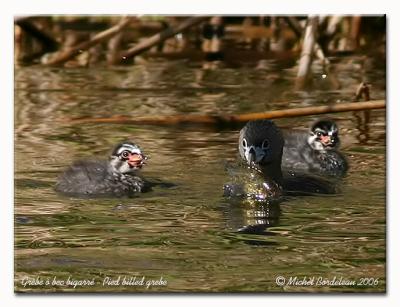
<point x="185" y="232"/>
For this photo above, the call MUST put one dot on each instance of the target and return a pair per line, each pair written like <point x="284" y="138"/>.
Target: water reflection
<point x="251" y="218"/>
<point x="362" y="125"/>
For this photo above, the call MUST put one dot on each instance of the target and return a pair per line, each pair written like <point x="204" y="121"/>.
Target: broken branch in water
<point x="362" y="91"/>
<point x="49" y="43"/>
<point x="307" y="53"/>
<point x="298" y="30"/>
<point x="98" y="38"/>
<point x="160" y="37"/>
<point x="229" y="119"/>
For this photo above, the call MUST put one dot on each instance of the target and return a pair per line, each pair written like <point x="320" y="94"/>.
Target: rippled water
<point x="185" y="231"/>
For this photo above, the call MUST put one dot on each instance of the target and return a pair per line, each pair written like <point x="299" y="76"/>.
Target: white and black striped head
<point x="261" y="143"/>
<point x="127" y="157"/>
<point x="324" y="135"/>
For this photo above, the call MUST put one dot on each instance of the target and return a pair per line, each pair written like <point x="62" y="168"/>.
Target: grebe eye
<point x="265" y="144"/>
<point x="319" y="133"/>
<point x="244" y="143"/>
<point x="125" y="154"/>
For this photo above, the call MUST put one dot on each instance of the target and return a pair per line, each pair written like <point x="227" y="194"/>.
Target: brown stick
<point x="307" y="53"/>
<point x="224" y="119"/>
<point x="362" y="91"/>
<point x="25" y="23"/>
<point x="114" y="45"/>
<point x="160" y="37"/>
<point x="98" y="38"/>
<point x="297" y="29"/>
<point x="354" y="35"/>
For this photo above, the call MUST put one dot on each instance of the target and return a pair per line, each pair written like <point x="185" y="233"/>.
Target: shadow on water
<point x="184" y="230"/>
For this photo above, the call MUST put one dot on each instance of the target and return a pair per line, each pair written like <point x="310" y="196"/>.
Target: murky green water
<point x="185" y="231"/>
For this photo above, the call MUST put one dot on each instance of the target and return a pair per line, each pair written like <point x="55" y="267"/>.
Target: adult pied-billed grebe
<point x="117" y="177"/>
<point x="260" y="176"/>
<point x="315" y="151"/>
